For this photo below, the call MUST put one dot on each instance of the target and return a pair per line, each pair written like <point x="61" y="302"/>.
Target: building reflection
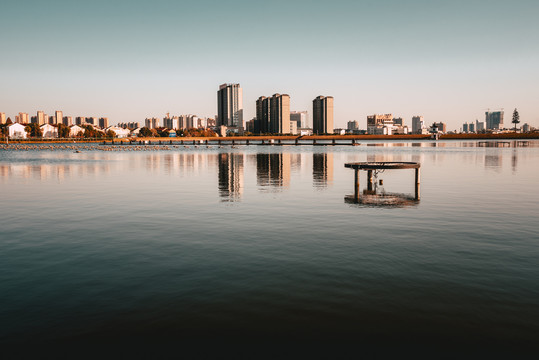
<point x="493" y="162"/>
<point x="59" y="172"/>
<point x="322" y="169"/>
<point x="273" y="170"/>
<point x="230" y="176"/>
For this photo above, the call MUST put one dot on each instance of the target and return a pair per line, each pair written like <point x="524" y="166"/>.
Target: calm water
<point x="255" y="249"/>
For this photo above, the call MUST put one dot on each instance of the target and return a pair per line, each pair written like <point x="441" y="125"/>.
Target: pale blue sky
<point x="446" y="60"/>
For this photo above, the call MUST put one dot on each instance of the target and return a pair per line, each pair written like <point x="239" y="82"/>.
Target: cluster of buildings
<point x="180" y="122"/>
<point x="273" y="114"/>
<point x="493" y="123"/>
<point x="49" y="125"/>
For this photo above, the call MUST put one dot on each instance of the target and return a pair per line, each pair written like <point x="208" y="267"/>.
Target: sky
<point x="449" y="61"/>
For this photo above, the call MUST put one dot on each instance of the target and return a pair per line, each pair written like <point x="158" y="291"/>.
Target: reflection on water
<point x="273" y="170"/>
<point x="322" y="169"/>
<point x="230" y="176"/>
<point x="117" y="246"/>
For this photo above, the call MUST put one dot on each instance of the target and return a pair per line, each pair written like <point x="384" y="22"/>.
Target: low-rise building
<point x="17" y="131"/>
<point x="49" y="131"/>
<point x="75" y="131"/>
<point x="120" y="133"/>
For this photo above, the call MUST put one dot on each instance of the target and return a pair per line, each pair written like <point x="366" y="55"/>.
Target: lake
<point x="258" y="251"/>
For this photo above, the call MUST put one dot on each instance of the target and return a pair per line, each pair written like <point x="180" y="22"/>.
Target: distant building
<point x="22" y="118"/>
<point x="129" y="125"/>
<point x="103" y="122"/>
<point x="418" y="125"/>
<point x="41" y="118"/>
<point x="380" y="124"/>
<point x="479" y="126"/>
<point x="273" y="114"/>
<point x="92" y="120"/>
<point x="323" y="115"/>
<point x="262" y="123"/>
<point x="293" y="128"/>
<point x="210" y="122"/>
<point x="250" y="125"/>
<point x="398" y="121"/>
<point x="494" y="120"/>
<point x="280" y="114"/>
<point x="151" y="123"/>
<point x="68" y="120"/>
<point x="171" y="122"/>
<point x="2" y="118"/>
<point x="468" y="127"/>
<point x="79" y="120"/>
<point x="438" y="127"/>
<point x="352" y="125"/>
<point x="51" y="120"/>
<point x="526" y="128"/>
<point x="230" y="105"/>
<point x="300" y="117"/>
<point x="58" y="117"/>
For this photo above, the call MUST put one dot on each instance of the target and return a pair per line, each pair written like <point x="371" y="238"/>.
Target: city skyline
<point x="449" y="62"/>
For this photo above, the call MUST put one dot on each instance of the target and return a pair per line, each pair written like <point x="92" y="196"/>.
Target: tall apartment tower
<point x="2" y="118"/>
<point x="494" y="120"/>
<point x="262" y="115"/>
<point x="417" y="124"/>
<point x="230" y="106"/>
<point x="323" y="115"/>
<point x="279" y="114"/>
<point x="273" y="114"/>
<point x="104" y="122"/>
<point x="58" y="117"/>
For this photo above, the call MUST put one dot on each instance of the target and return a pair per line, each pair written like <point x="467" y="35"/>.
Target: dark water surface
<point x="254" y="251"/>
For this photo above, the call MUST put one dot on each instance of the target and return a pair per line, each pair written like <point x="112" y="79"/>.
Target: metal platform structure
<point x="373" y="167"/>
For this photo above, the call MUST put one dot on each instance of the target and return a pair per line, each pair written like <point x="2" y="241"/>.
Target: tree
<point x="145" y="132"/>
<point x="63" y="131"/>
<point x="516" y="119"/>
<point x="111" y="134"/>
<point x="33" y="130"/>
<point x="9" y="122"/>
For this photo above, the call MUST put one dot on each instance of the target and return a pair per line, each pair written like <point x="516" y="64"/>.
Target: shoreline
<point x="505" y="136"/>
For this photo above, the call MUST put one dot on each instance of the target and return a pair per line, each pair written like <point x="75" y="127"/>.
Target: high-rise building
<point x="280" y="114"/>
<point x="262" y="115"/>
<point x="230" y="106"/>
<point x="58" y="117"/>
<point x="41" y="118"/>
<point x="151" y="123"/>
<point x="323" y="115"/>
<point x="68" y="120"/>
<point x="273" y="114"/>
<point x="479" y="126"/>
<point x="398" y="121"/>
<point x="22" y="118"/>
<point x="417" y="124"/>
<point x="300" y="117"/>
<point x="104" y="122"/>
<point x="494" y="120"/>
<point x="2" y="118"/>
<point x="79" y="120"/>
<point x="352" y="125"/>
